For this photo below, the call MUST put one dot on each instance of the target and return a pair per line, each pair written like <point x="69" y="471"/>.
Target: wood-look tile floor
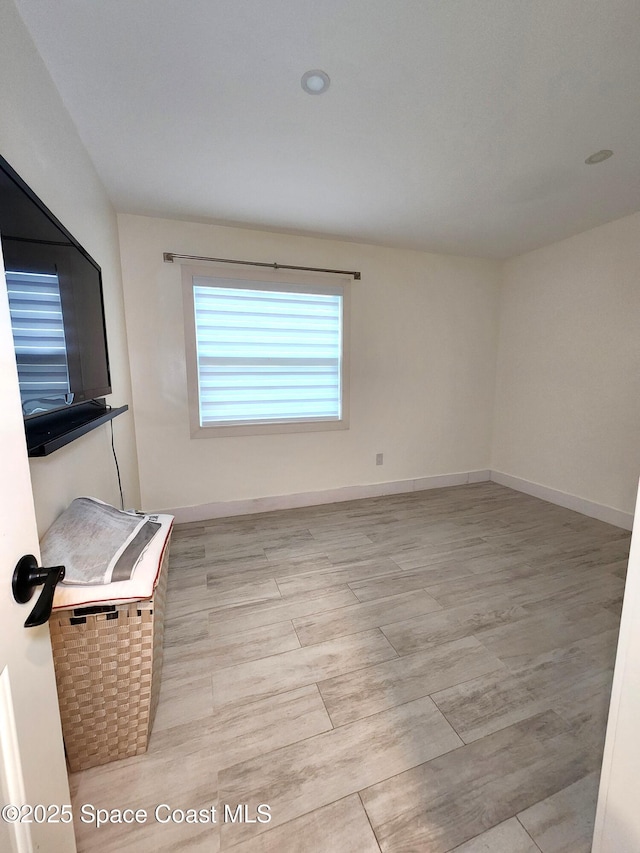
<point x="426" y="672"/>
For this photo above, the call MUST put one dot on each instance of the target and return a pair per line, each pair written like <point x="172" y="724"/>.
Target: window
<point x="265" y="355"/>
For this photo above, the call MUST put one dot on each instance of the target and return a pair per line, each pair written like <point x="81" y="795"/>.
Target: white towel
<point x="96" y="543"/>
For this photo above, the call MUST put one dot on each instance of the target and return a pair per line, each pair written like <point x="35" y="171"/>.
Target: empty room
<point x="320" y="377"/>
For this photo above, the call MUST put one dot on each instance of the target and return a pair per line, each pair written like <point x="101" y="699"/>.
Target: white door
<point x="32" y="765"/>
<point x="617" y="828"/>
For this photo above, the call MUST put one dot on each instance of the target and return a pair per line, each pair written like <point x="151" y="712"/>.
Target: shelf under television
<point x="48" y="433"/>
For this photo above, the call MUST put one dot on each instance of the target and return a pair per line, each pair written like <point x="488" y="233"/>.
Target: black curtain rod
<point x="168" y="258"/>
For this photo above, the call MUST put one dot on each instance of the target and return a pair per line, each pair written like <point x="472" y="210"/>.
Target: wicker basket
<point x="108" y="662"/>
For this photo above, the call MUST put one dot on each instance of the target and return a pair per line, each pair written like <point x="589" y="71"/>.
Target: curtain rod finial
<point x="167" y="257"/>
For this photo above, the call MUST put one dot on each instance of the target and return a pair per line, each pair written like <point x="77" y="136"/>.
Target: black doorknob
<point x="26" y="577"/>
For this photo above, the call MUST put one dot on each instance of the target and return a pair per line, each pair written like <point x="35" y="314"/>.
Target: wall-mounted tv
<point x="57" y="316"/>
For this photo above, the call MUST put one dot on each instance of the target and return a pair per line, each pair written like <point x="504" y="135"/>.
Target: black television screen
<point x="56" y="304"/>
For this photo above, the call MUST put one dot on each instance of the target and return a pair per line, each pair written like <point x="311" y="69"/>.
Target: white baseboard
<point x="479" y="476"/>
<point x="223" y="509"/>
<point x="602" y="512"/>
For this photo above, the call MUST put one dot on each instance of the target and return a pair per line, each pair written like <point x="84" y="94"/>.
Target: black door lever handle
<point x="26" y="577"/>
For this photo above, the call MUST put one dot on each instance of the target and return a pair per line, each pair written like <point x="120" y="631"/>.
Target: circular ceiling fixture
<point x="315" y="82"/>
<point x="599" y="157"/>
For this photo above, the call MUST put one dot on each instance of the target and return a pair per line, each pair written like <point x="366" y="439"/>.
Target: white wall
<point x="423" y="333"/>
<point x="568" y="378"/>
<point x="39" y="140"/>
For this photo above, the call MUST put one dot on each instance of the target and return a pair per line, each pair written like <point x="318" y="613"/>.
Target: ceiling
<point x="458" y="126"/>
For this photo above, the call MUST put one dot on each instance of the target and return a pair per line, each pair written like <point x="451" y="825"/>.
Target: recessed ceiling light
<point x="598" y="157"/>
<point x="315" y="82"/>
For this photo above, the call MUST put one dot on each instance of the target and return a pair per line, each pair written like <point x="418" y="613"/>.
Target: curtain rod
<point x="168" y="258"/>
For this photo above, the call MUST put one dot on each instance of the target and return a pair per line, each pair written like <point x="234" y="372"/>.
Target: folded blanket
<point x="139" y="588"/>
<point x="96" y="543"/>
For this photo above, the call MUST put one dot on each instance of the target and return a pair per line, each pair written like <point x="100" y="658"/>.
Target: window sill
<point x="226" y="430"/>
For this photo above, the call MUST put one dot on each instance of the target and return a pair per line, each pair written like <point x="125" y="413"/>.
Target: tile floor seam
<point x="322" y="642"/>
<point x="278" y="621"/>
<point x="393" y="708"/>
<point x="382" y="627"/>
<point x="337" y="568"/>
<point x="533" y="841"/>
<point x="298" y="817"/>
<point x="296" y="633"/>
<point x="364" y="809"/>
<point x="324" y="705"/>
<point x="370" y="628"/>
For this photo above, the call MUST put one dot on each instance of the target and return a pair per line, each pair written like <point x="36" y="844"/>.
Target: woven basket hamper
<point x="108" y="663"/>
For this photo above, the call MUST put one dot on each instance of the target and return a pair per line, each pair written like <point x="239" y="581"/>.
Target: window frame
<point x="276" y="280"/>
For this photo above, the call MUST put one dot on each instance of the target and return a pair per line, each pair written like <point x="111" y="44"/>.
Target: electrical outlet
<point x="378" y="458"/>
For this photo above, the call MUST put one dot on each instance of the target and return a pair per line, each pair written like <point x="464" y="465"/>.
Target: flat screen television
<point x="57" y="319"/>
<point x="56" y="304"/>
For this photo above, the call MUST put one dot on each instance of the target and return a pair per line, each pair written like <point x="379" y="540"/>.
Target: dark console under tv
<point x="52" y="431"/>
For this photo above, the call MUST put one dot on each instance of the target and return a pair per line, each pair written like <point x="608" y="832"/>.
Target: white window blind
<point x="266" y="355"/>
<point x="39" y="339"/>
